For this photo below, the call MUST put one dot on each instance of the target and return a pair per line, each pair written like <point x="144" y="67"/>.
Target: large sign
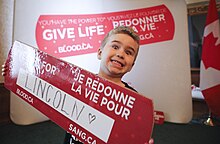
<point x="71" y="35"/>
<point x="91" y="108"/>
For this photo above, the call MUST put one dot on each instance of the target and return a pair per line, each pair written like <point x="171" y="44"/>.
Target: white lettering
<point x="77" y="47"/>
<point x="54" y="34"/>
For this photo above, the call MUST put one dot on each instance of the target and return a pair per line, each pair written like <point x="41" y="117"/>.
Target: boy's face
<point x="118" y="55"/>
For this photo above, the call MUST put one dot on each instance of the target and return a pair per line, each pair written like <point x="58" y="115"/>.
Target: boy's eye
<point x="128" y="52"/>
<point x="115" y="46"/>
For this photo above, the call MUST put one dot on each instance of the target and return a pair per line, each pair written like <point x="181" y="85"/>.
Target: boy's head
<point x="118" y="51"/>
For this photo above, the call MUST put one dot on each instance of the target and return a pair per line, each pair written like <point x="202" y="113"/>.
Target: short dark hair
<point x="121" y="30"/>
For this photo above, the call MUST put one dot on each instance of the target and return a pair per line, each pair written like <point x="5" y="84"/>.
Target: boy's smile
<point x="117" y="63"/>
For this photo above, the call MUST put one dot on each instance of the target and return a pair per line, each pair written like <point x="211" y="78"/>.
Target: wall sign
<point x="70" y="35"/>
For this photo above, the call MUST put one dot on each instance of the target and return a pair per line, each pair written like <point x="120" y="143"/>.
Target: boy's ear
<point x="133" y="64"/>
<point x="99" y="53"/>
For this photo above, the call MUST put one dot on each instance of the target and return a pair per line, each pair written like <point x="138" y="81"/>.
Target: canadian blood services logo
<point x="70" y="35"/>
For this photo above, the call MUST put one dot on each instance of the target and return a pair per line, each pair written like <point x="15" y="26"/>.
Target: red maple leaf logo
<point x="211" y="52"/>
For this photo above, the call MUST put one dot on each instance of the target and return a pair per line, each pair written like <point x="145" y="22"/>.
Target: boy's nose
<point x="120" y="53"/>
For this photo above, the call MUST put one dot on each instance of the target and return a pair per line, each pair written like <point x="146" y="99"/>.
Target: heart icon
<point x="91" y="118"/>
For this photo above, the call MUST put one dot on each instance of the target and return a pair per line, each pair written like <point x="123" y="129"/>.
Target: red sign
<point x="91" y="108"/>
<point x="69" y="35"/>
<point x="158" y="117"/>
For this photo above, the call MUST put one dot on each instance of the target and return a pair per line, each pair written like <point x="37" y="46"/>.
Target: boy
<point x="118" y="52"/>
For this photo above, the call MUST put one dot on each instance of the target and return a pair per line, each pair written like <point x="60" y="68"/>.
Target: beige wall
<point x="6" y="22"/>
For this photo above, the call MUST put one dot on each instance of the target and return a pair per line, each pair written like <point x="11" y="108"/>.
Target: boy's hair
<point x="121" y="30"/>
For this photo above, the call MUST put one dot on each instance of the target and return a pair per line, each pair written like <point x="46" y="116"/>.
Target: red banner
<point x="69" y="35"/>
<point x="91" y="108"/>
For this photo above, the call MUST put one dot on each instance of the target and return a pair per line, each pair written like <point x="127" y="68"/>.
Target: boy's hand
<point x="151" y="141"/>
<point x="4" y="69"/>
